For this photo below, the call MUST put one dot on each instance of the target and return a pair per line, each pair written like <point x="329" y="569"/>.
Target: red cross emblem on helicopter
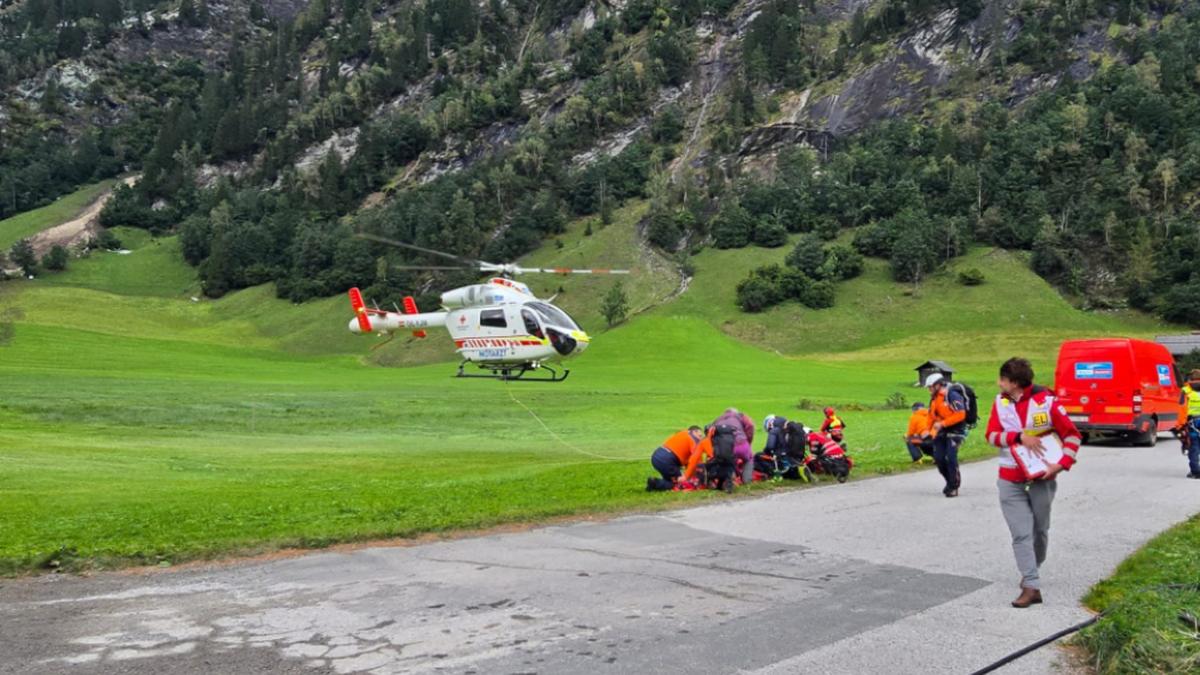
<point x="462" y="320"/>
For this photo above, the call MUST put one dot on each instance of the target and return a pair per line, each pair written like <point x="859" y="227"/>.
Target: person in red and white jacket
<point x="1025" y="414"/>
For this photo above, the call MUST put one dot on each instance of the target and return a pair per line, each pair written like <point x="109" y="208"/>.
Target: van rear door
<point x="1095" y="380"/>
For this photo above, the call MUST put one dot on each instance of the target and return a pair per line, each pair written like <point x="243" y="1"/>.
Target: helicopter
<point x="500" y="325"/>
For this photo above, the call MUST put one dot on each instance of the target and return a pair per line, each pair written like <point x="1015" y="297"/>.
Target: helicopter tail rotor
<point x="410" y="307"/>
<point x="360" y="310"/>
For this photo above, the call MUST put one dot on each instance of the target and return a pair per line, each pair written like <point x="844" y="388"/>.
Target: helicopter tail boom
<point x="374" y="320"/>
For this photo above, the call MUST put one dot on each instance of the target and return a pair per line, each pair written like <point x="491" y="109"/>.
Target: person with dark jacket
<point x="1192" y="425"/>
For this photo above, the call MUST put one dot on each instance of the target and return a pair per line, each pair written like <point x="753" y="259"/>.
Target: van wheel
<point x="1085" y="438"/>
<point x="1150" y="438"/>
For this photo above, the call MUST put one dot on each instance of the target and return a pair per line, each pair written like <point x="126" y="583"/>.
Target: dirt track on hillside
<point x="80" y="228"/>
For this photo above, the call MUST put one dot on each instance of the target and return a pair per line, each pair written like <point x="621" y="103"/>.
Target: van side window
<point x="493" y="318"/>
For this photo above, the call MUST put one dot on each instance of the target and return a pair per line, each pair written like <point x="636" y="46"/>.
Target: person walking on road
<point x="948" y="410"/>
<point x="1192" y="428"/>
<point x="1028" y="415"/>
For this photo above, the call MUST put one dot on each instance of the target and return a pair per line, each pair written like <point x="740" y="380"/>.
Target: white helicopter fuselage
<point x="497" y="323"/>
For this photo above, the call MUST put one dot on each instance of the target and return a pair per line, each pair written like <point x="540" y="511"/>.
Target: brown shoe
<point x="1029" y="596"/>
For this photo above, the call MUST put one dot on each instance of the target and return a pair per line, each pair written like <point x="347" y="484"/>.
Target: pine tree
<point x="616" y="304"/>
<point x="21" y="254"/>
<point x="52" y="97"/>
<point x="187" y="13"/>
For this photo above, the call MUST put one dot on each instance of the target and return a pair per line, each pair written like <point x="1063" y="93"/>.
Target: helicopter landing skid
<point x="514" y="373"/>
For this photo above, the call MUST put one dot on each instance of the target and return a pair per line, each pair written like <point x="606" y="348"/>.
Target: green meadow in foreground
<point x="141" y="425"/>
<point x="1152" y="604"/>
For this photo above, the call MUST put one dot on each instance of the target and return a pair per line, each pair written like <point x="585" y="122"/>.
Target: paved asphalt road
<point x="875" y="576"/>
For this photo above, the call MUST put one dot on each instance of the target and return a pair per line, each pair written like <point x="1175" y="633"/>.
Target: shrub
<point x="971" y="276"/>
<point x="794" y="283"/>
<point x="55" y="259"/>
<point x="732" y="226"/>
<point x="769" y="233"/>
<point x="754" y="294"/>
<point x="21" y="254"/>
<point x="808" y="255"/>
<point x="663" y="231"/>
<point x="874" y="240"/>
<point x="667" y="126"/>
<point x="841" y="262"/>
<point x="820" y="295"/>
<point x="1181" y="304"/>
<point x="109" y="241"/>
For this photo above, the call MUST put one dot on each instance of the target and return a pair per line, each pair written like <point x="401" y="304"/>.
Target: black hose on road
<point x="1037" y="645"/>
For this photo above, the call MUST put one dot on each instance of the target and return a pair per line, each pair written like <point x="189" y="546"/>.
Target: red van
<point x="1119" y="386"/>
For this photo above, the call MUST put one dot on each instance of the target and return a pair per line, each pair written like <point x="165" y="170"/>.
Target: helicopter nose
<point x="581" y="341"/>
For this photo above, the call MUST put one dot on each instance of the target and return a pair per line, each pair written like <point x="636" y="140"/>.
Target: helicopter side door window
<point x="492" y="318"/>
<point x="531" y="324"/>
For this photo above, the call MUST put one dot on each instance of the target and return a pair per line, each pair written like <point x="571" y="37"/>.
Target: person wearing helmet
<point x="773" y="427"/>
<point x="833" y="426"/>
<point x="948" y="412"/>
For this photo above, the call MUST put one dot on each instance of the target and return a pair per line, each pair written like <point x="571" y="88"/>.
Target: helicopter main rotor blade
<point x="403" y="244"/>
<point x="462" y="268"/>
<point x="565" y="270"/>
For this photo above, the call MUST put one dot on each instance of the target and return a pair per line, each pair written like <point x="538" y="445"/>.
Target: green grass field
<point x="1145" y="629"/>
<point x="30" y="223"/>
<point x="141" y="426"/>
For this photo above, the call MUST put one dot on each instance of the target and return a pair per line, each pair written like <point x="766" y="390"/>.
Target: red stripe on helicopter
<point x="483" y="343"/>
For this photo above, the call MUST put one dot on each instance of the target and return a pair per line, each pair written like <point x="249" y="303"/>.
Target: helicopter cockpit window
<point x="493" y="318"/>
<point x="553" y="315"/>
<point x="531" y="324"/>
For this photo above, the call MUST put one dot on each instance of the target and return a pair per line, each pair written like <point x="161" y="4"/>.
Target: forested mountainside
<point x="266" y="134"/>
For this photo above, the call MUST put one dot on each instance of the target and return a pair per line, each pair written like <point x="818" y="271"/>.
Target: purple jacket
<point x="743" y="434"/>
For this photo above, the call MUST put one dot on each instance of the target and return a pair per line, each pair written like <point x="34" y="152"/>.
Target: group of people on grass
<point x="720" y="455"/>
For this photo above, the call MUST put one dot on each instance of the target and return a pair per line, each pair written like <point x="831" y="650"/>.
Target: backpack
<point x="972" y="404"/>
<point x="722" y="443"/>
<point x="795" y="441"/>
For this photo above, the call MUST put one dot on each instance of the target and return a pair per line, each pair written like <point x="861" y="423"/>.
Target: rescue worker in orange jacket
<point x="670" y="458"/>
<point x="948" y="410"/>
<point x="702" y="452"/>
<point x="919" y="438"/>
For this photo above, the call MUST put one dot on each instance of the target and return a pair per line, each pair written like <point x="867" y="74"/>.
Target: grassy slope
<point x="31" y="222"/>
<point x="138" y="425"/>
<point x="1142" y="632"/>
<point x="878" y="320"/>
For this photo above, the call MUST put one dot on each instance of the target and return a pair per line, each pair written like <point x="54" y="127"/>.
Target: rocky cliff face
<point x="931" y="63"/>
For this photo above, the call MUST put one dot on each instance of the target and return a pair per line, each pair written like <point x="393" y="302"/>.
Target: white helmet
<point x="767" y="422"/>
<point x="933" y="379"/>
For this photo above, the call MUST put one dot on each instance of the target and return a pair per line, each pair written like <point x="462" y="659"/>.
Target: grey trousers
<point x="1026" y="509"/>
